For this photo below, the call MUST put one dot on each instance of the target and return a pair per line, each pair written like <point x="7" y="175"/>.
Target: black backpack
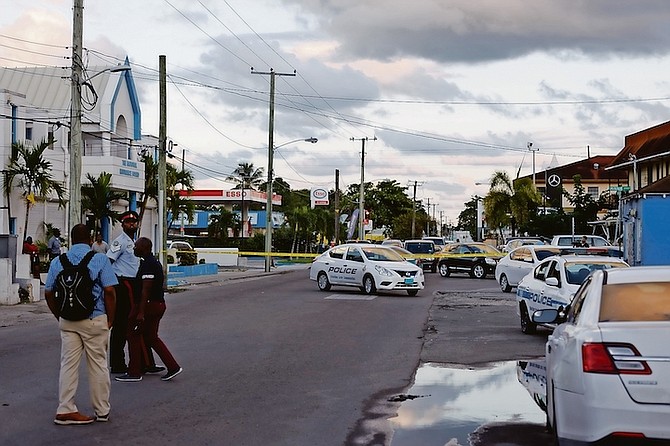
<point x="74" y="289"/>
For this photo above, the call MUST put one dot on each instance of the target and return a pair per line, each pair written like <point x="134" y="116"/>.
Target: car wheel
<point x="443" y="268"/>
<point x="369" y="285"/>
<point x="527" y="326"/>
<point x="323" y="282"/>
<point x="412" y="292"/>
<point x="504" y="284"/>
<point x="478" y="271"/>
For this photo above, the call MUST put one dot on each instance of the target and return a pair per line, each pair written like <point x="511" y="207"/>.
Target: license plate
<point x="409" y="280"/>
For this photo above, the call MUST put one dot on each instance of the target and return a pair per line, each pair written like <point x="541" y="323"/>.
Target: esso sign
<point x="319" y="194"/>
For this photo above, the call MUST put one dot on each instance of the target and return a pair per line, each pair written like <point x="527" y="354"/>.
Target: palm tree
<point x="509" y="203"/>
<point x="34" y="173"/>
<point x="98" y="196"/>
<point x="150" y="184"/>
<point x="246" y="176"/>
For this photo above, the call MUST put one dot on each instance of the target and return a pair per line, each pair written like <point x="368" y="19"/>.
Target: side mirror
<point x="547" y="316"/>
<point x="551" y="281"/>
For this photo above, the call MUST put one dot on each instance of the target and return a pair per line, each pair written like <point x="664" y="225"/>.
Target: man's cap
<point x="129" y="215"/>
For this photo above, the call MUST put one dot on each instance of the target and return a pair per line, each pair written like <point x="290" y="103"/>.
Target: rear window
<point x="544" y="253"/>
<point x="420" y="248"/>
<point x="629" y="302"/>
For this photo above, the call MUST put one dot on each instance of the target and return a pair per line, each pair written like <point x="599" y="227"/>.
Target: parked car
<point x="553" y="283"/>
<point x="439" y="241"/>
<point x="368" y="267"/>
<point x="425" y="253"/>
<point x="519" y="262"/>
<point x="521" y="241"/>
<point x="608" y="363"/>
<point x="574" y="240"/>
<point x="476" y="259"/>
<point x="392" y="242"/>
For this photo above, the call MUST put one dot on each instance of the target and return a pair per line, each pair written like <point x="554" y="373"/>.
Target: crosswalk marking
<point x="350" y="297"/>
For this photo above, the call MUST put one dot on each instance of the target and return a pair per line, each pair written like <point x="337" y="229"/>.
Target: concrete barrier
<point x="9" y="292"/>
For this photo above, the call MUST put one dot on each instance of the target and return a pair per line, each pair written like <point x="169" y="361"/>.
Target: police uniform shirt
<point x="125" y="263"/>
<point x="151" y="269"/>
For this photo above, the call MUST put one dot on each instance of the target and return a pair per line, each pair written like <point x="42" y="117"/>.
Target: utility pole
<point x="337" y="206"/>
<point x="75" y="116"/>
<point x="533" y="150"/>
<point x="271" y="128"/>
<point x="361" y="189"/>
<point x="162" y="166"/>
<point x="416" y="183"/>
<point x="428" y="220"/>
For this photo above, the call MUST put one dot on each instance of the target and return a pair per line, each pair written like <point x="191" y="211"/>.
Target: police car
<point x="553" y="283"/>
<point x="371" y="268"/>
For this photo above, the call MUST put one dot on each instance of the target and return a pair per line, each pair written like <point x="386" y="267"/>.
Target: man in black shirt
<point x="146" y="316"/>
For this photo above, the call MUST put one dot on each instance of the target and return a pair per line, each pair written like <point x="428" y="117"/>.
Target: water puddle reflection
<point x="445" y="406"/>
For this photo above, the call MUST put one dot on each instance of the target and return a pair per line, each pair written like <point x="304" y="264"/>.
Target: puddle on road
<point x="446" y="405"/>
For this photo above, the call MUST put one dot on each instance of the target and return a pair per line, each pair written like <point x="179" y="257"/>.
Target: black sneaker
<point x="102" y="418"/>
<point x="169" y="375"/>
<point x="154" y="369"/>
<point x="128" y="378"/>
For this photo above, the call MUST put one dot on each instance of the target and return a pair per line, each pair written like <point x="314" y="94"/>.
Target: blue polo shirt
<point x="122" y="252"/>
<point x="99" y="267"/>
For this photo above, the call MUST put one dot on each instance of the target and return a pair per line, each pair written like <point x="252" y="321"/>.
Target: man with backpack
<point x="80" y="293"/>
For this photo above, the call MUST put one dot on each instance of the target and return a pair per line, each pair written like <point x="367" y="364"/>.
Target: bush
<point x="187" y="258"/>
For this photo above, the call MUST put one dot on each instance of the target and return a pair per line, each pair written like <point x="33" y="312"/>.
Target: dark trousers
<point x="145" y="339"/>
<point x="117" y="340"/>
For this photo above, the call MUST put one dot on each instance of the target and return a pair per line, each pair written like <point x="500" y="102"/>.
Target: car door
<point x="553" y="295"/>
<point x="533" y="287"/>
<point x="521" y="263"/>
<point x="334" y="264"/>
<point x="354" y="266"/>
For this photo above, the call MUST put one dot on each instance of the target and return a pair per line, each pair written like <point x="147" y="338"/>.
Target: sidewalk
<point x="11" y="315"/>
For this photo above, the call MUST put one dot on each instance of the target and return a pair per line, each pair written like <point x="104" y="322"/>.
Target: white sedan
<point x="519" y="262"/>
<point x="553" y="283"/>
<point x="368" y="267"/>
<point x="608" y="362"/>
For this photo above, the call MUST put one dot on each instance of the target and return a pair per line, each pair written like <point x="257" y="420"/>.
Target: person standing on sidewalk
<point x="53" y="244"/>
<point x="89" y="336"/>
<point x="125" y="265"/>
<point x="145" y="317"/>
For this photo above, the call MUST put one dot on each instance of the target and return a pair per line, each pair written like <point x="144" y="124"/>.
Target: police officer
<point x="125" y="265"/>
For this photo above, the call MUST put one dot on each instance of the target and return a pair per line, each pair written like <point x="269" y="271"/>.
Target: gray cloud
<point x="486" y="30"/>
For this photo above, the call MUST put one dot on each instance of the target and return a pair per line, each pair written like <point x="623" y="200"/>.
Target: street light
<point x="268" y="206"/>
<point x="76" y="140"/>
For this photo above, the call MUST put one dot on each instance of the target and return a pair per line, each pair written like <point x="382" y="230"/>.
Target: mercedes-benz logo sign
<point x="554" y="180"/>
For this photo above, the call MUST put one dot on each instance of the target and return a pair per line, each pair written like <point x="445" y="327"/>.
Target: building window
<point x="593" y="192"/>
<point x="29" y="131"/>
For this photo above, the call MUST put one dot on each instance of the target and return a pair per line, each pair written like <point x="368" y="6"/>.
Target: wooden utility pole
<point x="361" y="190"/>
<point x="336" y="199"/>
<point x="74" y="195"/>
<point x="271" y="128"/>
<point x="162" y="166"/>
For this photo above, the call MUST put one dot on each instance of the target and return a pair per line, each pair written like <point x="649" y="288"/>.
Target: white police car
<point x="369" y="267"/>
<point x="554" y="282"/>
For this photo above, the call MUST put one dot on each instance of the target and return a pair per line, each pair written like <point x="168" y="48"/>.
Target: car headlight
<point x="383" y="271"/>
<point x="490" y="261"/>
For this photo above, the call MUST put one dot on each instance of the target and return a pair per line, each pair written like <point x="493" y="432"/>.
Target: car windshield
<point x="627" y="302"/>
<point x="576" y="272"/>
<point x="379" y="254"/>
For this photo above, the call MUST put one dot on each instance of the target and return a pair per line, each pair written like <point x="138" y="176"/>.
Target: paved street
<point x="267" y="360"/>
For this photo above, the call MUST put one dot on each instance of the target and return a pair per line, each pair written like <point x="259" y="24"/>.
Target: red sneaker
<point x="72" y="418"/>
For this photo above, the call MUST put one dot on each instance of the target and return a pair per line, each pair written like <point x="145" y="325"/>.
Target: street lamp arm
<point x="310" y="140"/>
<point x="115" y="69"/>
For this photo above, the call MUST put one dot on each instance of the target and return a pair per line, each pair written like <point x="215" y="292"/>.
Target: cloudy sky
<point x="453" y="90"/>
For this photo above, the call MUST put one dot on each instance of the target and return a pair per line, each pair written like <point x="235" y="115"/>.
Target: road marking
<point x="349" y="297"/>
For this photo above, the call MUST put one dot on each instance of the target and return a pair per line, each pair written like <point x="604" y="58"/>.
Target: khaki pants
<point x="89" y="337"/>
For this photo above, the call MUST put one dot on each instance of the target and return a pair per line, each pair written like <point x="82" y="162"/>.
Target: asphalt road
<point x="269" y="361"/>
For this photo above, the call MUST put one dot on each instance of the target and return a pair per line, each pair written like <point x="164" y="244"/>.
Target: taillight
<point x="613" y="359"/>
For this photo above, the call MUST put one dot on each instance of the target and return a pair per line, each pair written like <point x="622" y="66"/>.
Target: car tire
<point x="443" y="268"/>
<point x="369" y="285"/>
<point x="412" y="292"/>
<point x="527" y="326"/>
<point x="478" y="271"/>
<point x="323" y="282"/>
<point x="504" y="284"/>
